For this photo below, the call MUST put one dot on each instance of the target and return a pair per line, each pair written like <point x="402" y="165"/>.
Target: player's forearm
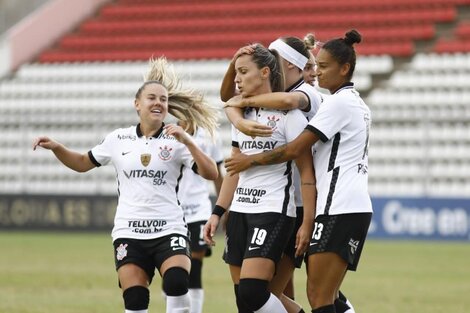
<point x="234" y="115"/>
<point x="219" y="180"/>
<point x="309" y="198"/>
<point x="227" y="89"/>
<point x="227" y="190"/>
<point x="73" y="160"/>
<point x="307" y="186"/>
<point x="275" y="100"/>
<point x="206" y="166"/>
<point x="281" y="154"/>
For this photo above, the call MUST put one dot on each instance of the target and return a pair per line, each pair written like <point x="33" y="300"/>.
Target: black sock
<point x="195" y="279"/>
<point x="342" y="297"/>
<point x="341" y="306"/>
<point x="301" y="311"/>
<point x="330" y="308"/>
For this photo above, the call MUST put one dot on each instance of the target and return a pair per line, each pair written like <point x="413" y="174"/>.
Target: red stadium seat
<point x="136" y="29"/>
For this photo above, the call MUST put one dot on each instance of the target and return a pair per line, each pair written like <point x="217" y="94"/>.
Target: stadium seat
<point x="87" y="81"/>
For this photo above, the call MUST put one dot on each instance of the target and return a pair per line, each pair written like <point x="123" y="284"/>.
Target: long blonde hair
<point x="185" y="104"/>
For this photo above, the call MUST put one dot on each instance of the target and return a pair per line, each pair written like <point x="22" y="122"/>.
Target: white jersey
<point x="315" y="98"/>
<point x="193" y="192"/>
<point x="341" y="158"/>
<point x="267" y="188"/>
<point x="147" y="171"/>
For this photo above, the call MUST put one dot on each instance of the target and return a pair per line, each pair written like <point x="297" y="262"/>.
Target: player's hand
<point x="178" y="132"/>
<point x="302" y="239"/>
<point x="45" y="142"/>
<point x="210" y="228"/>
<point x="249" y="49"/>
<point x="254" y="129"/>
<point x="235" y="102"/>
<point x="237" y="163"/>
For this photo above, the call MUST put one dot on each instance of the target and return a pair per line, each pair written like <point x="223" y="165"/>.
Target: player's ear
<point x="344" y="70"/>
<point x="137" y="105"/>
<point x="265" y="71"/>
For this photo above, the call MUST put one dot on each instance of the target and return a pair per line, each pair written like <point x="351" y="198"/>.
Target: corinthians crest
<point x="165" y="153"/>
<point x="145" y="158"/>
<point x="272" y="122"/>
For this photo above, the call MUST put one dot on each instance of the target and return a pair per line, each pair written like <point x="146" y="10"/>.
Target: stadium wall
<point x="421" y="218"/>
<point x="394" y="218"/>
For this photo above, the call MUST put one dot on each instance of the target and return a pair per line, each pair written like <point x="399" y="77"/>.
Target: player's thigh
<point x="132" y="275"/>
<point x="179" y="260"/>
<point x="259" y="268"/>
<point x="325" y="272"/>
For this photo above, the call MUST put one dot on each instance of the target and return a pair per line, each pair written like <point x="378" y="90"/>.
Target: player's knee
<point x="136" y="298"/>
<point x="175" y="281"/>
<point x="253" y="292"/>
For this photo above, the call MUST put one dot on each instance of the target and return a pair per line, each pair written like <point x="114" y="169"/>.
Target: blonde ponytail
<point x="185" y="104"/>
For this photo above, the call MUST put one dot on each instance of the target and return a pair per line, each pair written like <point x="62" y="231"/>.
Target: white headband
<point x="289" y="53"/>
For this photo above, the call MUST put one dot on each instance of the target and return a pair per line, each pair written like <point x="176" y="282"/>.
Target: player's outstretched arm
<point x="72" y="159"/>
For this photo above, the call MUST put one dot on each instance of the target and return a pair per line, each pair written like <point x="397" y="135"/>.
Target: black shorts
<point x="196" y="237"/>
<point x="290" y="248"/>
<point x="342" y="234"/>
<point x="149" y="253"/>
<point x="262" y="235"/>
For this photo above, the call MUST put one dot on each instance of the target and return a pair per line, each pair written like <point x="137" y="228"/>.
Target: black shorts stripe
<point x="276" y="235"/>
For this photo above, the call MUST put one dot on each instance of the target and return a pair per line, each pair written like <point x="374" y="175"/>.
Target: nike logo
<point x="313" y="243"/>
<point x="177" y="248"/>
<point x="202" y="242"/>
<point x="124" y="153"/>
<point x="253" y="248"/>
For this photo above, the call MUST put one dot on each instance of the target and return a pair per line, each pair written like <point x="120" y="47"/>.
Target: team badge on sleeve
<point x="121" y="252"/>
<point x="165" y="153"/>
<point x="145" y="159"/>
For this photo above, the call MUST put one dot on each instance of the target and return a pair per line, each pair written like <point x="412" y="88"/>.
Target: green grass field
<point x="74" y="273"/>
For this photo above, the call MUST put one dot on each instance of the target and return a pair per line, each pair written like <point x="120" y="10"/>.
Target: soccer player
<point x="295" y="54"/>
<point x="193" y="192"/>
<point x="194" y="197"/>
<point x="149" y="229"/>
<point x="310" y="70"/>
<point x="339" y="135"/>
<point x="262" y="206"/>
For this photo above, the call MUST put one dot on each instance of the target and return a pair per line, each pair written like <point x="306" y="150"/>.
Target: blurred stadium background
<point x="69" y="69"/>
